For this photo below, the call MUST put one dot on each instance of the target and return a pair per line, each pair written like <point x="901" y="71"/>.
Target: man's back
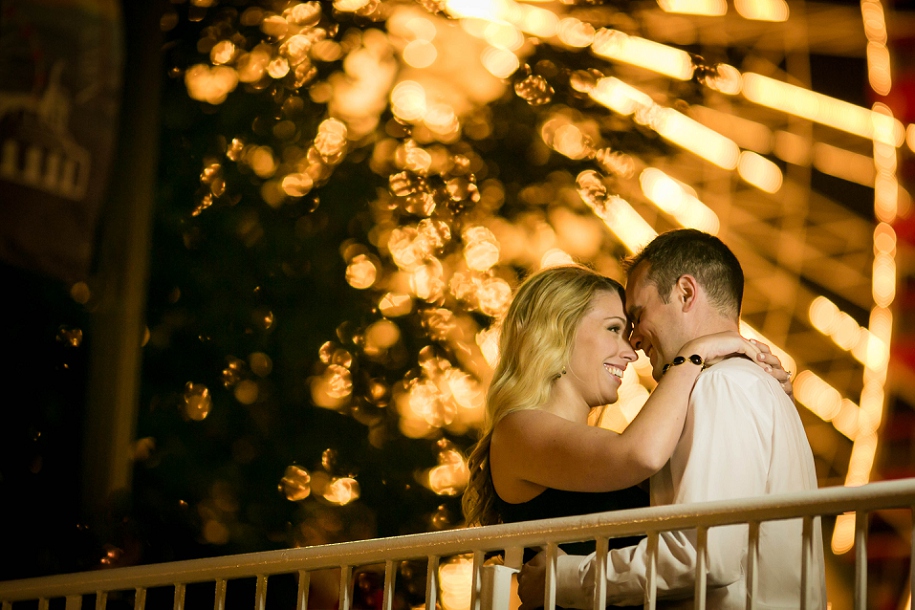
<point x="743" y="438"/>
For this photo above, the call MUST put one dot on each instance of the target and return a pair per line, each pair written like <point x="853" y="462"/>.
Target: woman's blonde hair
<point x="535" y="344"/>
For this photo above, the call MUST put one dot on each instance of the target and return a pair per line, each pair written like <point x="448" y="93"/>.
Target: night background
<point x="267" y="319"/>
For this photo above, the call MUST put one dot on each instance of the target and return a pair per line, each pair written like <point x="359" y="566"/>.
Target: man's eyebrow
<point x="633" y="312"/>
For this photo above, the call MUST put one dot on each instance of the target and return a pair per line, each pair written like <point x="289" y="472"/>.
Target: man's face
<point x="656" y="325"/>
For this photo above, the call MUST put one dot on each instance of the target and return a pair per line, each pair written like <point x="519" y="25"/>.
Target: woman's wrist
<point x="680" y="359"/>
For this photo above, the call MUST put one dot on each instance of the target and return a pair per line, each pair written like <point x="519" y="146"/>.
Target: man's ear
<point x="686" y="291"/>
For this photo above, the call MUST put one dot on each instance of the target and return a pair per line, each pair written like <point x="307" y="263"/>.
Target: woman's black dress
<point x="554" y="503"/>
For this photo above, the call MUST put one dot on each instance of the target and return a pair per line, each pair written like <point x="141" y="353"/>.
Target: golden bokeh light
<point x="296" y="483"/>
<point x="695" y="7"/>
<point x="663" y="59"/>
<point x="762" y="10"/>
<point x="342" y="491"/>
<point x="759" y="171"/>
<point x="197" y="401"/>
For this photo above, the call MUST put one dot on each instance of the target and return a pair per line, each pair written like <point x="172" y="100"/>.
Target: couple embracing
<point x="720" y="424"/>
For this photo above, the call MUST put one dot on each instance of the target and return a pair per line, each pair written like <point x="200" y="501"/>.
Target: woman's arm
<point x="546" y="450"/>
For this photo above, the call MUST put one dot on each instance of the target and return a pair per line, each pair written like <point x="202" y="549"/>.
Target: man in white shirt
<point x="742" y="438"/>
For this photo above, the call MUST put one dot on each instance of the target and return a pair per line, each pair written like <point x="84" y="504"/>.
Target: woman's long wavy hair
<point x="534" y="346"/>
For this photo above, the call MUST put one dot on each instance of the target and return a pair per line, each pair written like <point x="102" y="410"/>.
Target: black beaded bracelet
<point x="695" y="359"/>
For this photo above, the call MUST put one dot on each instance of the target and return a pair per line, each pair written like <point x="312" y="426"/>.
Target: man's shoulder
<point x="737" y="376"/>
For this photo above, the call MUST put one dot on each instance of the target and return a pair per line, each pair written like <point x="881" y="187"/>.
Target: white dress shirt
<point x="742" y="438"/>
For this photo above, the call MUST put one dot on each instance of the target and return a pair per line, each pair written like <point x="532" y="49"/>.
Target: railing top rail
<point x="827" y="501"/>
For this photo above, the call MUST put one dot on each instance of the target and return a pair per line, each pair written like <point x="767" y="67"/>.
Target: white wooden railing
<point x="487" y="592"/>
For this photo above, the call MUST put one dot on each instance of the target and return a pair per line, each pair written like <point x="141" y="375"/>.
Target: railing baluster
<point x="9" y="605"/>
<point x="651" y="587"/>
<point x="806" y="558"/>
<point x="860" y="560"/>
<point x="179" y="596"/>
<point x="701" y="567"/>
<point x="260" y="592"/>
<point x="476" y="580"/>
<point x="74" y="602"/>
<point x="101" y="599"/>
<point x="42" y="603"/>
<point x="601" y="549"/>
<point x="219" y="598"/>
<point x="432" y="581"/>
<point x="139" y="599"/>
<point x="549" y="590"/>
<point x="346" y="590"/>
<point x="389" y="576"/>
<point x="752" y="564"/>
<point x="302" y="593"/>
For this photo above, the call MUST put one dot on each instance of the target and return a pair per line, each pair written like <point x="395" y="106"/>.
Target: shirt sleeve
<point x="723" y="454"/>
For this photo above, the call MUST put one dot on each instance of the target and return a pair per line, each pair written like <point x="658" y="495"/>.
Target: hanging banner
<point x="61" y="64"/>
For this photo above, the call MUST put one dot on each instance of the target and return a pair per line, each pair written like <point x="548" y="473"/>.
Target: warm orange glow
<point x="844" y="164"/>
<point x="361" y="272"/>
<point x="820" y="108"/>
<point x="197" y="401"/>
<point x="695" y="7"/>
<point x="762" y="10"/>
<point x="575" y="33"/>
<point x="663" y="59"/>
<point x="210" y="85"/>
<point x="296" y="483"/>
<point x="695" y="137"/>
<point x="342" y="491"/>
<point x="622" y="220"/>
<point x="501" y="63"/>
<point x="678" y="201"/>
<point x="760" y="172"/>
<point x="619" y="97"/>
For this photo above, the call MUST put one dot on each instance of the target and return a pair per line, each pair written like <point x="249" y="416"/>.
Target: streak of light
<point x="844" y="164"/>
<point x="663" y="59"/>
<point x="822" y="109"/>
<point x="762" y="10"/>
<point x="744" y="132"/>
<point x="694" y="7"/>
<point x="670" y="196"/>
<point x="760" y="172"/>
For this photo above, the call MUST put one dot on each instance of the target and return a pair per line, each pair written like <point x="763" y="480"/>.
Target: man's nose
<point x="635" y="339"/>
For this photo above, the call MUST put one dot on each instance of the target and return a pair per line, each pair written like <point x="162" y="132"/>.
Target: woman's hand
<point x="716" y="347"/>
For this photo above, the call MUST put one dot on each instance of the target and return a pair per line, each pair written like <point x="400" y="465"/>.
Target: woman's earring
<point x="563" y="370"/>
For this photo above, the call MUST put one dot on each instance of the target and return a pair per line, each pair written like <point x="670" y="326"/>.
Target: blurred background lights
<point x="475" y="147"/>
<point x="296" y="483"/>
<point x="663" y="59"/>
<point x="762" y="10"/>
<point x="197" y="401"/>
<point x="695" y="7"/>
<point x="759" y="171"/>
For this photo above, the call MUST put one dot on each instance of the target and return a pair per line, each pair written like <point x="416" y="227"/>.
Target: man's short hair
<point x="690" y="252"/>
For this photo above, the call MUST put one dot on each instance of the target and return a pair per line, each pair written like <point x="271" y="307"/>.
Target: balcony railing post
<point x="701" y="567"/>
<point x="806" y="558"/>
<point x="600" y="572"/>
<point x="219" y="598"/>
<point x="752" y="564"/>
<point x="260" y="592"/>
<point x="651" y="588"/>
<point x="101" y="599"/>
<point x="301" y="601"/>
<point x="432" y="581"/>
<point x="74" y="602"/>
<point x="346" y="588"/>
<point x="389" y="576"/>
<point x="139" y="599"/>
<point x="475" y="580"/>
<point x="860" y="560"/>
<point x="179" y="596"/>
<point x="549" y="590"/>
